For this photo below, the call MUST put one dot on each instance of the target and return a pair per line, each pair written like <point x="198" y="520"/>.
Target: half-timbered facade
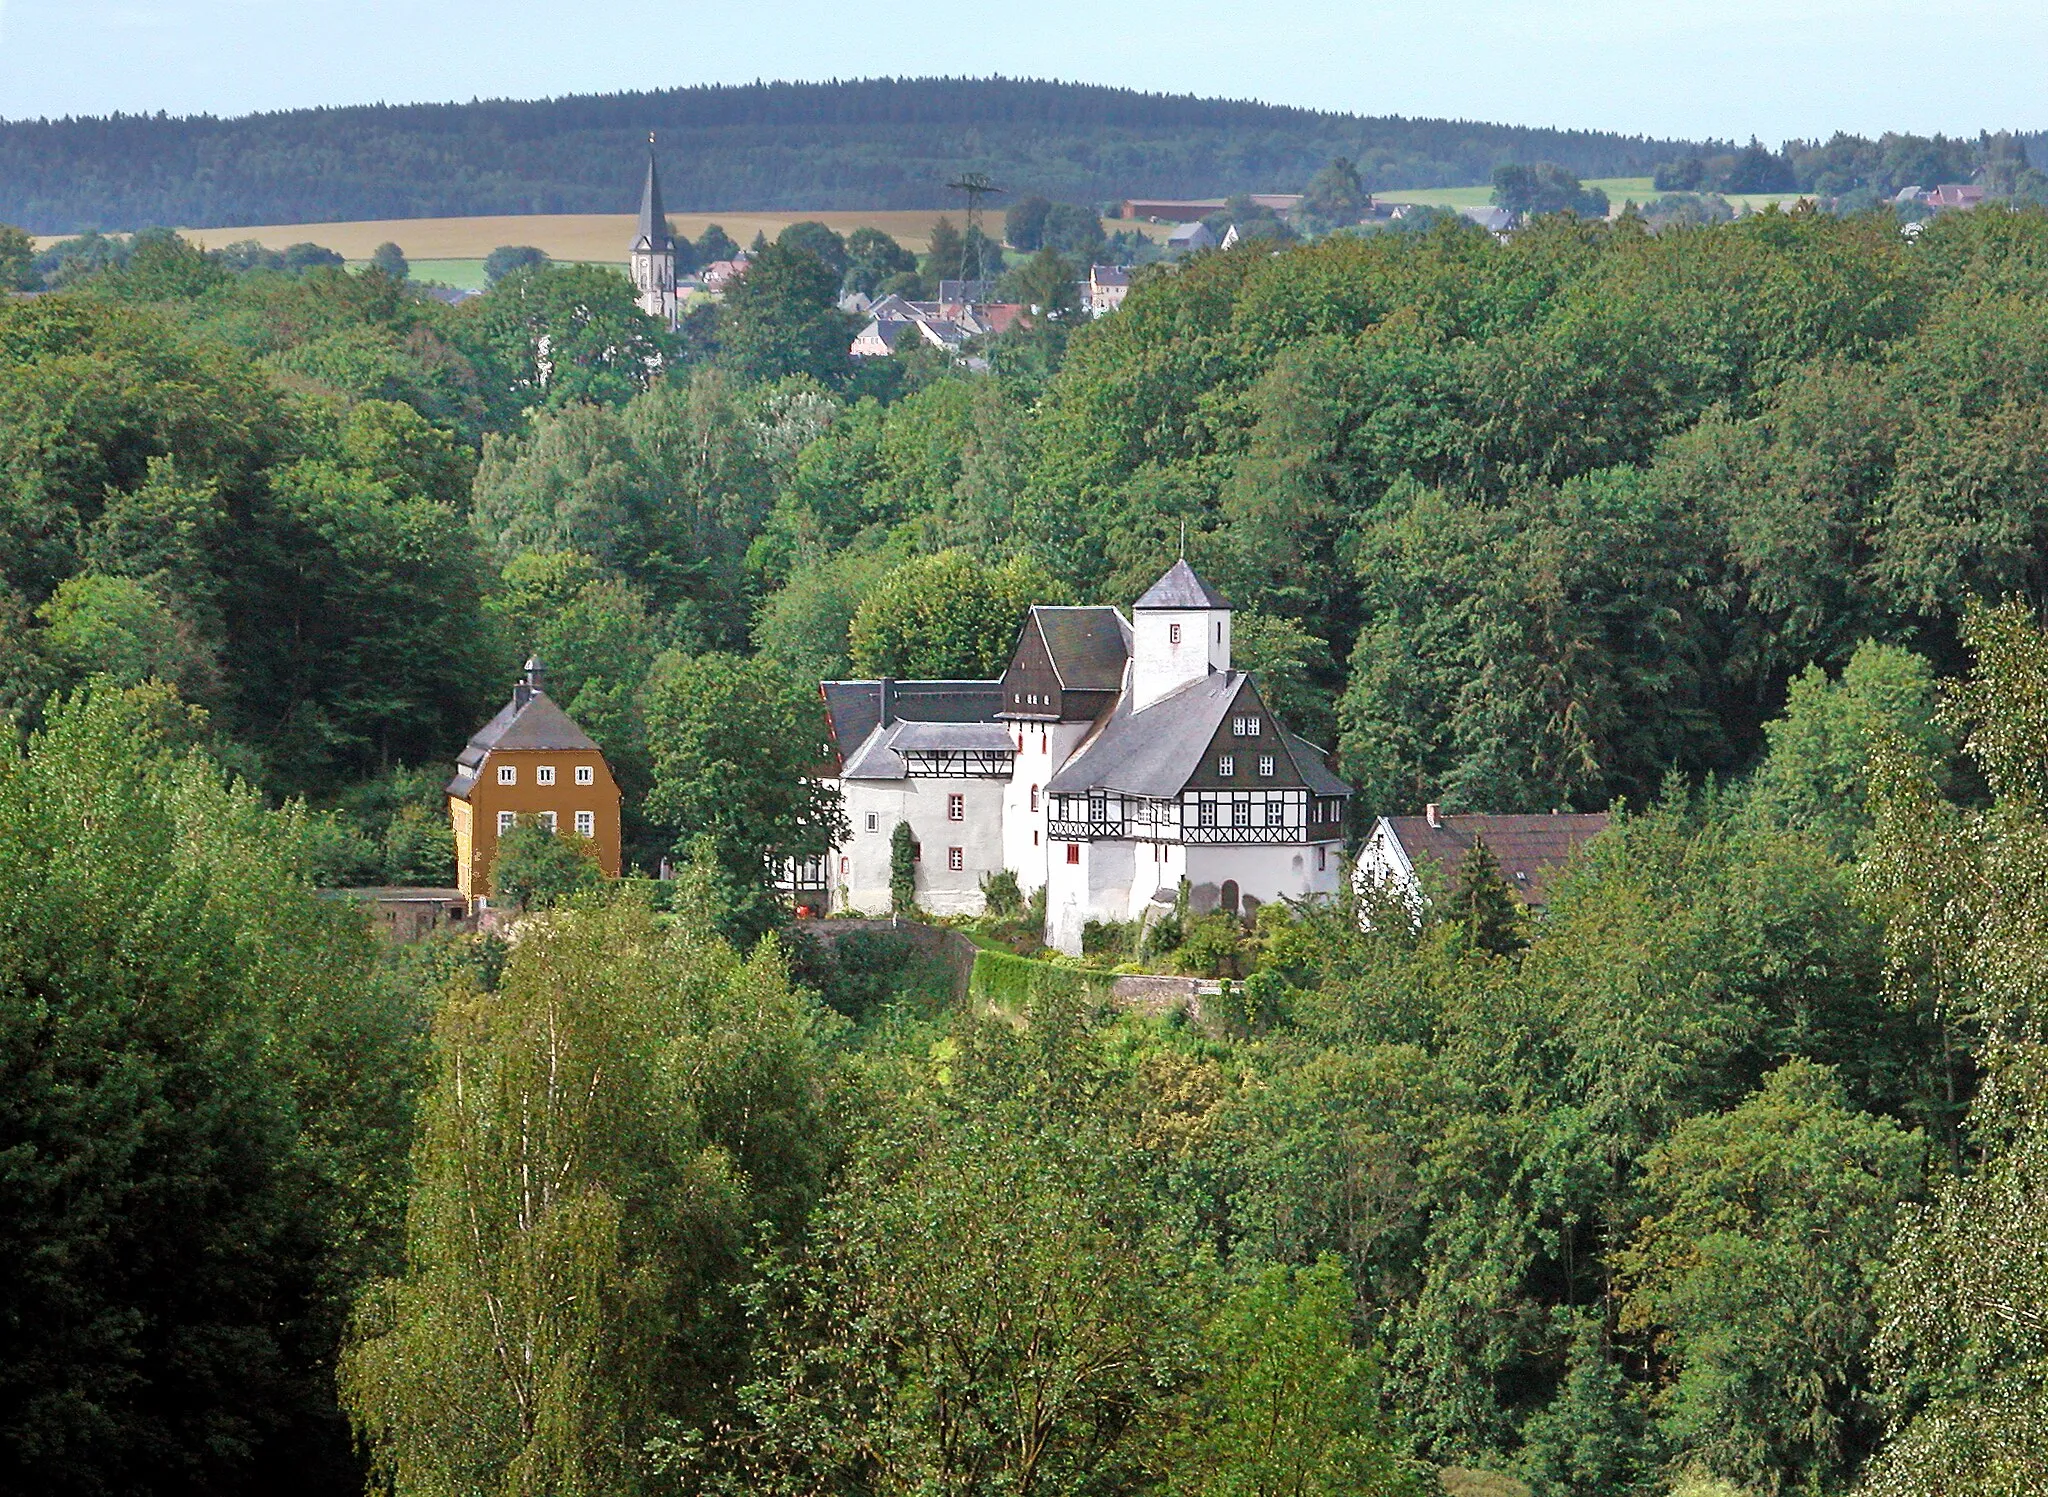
<point x="1115" y="758"/>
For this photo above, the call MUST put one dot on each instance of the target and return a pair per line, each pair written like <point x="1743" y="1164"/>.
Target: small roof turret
<point x="653" y="233"/>
<point x="1181" y="588"/>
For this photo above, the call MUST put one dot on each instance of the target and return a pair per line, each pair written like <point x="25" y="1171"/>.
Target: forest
<point x="1719" y="1177"/>
<point x="865" y="144"/>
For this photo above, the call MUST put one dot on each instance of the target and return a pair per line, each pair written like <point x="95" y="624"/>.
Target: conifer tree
<point x="1486" y="906"/>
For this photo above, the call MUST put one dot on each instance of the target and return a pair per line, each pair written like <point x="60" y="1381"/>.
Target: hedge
<point x="1016" y="982"/>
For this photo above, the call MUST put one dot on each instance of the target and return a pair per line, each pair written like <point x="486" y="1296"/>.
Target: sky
<point x="1685" y="68"/>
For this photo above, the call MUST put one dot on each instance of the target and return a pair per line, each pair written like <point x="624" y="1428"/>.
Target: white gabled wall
<point x="1161" y="663"/>
<point x="857" y="873"/>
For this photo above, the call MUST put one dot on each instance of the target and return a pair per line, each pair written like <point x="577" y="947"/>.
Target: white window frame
<point x="1265" y="766"/>
<point x="544" y="775"/>
<point x="547" y="819"/>
<point x="586" y="774"/>
<point x="508" y="774"/>
<point x="586" y="823"/>
<point x="1226" y="766"/>
<point x="506" y="821"/>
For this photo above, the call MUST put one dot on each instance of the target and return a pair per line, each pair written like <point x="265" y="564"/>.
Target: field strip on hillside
<point x="1618" y="189"/>
<point x="598" y="237"/>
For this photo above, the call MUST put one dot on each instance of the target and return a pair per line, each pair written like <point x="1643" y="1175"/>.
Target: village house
<point x="1403" y="853"/>
<point x="530" y="760"/>
<point x="944" y="325"/>
<point x="1114" y="759"/>
<point x="1105" y="289"/>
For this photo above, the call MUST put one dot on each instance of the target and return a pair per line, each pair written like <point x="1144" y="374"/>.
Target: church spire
<point x="653" y="221"/>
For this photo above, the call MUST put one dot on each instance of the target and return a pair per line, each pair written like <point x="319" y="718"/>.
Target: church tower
<point x="654" y="253"/>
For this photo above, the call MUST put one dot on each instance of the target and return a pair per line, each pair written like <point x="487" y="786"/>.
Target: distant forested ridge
<point x="873" y="143"/>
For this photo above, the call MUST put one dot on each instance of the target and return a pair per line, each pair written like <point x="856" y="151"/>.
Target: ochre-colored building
<point x="530" y="760"/>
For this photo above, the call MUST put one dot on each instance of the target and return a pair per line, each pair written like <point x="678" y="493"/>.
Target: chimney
<point x="1431" y="811"/>
<point x="888" y="700"/>
<point x="530" y="680"/>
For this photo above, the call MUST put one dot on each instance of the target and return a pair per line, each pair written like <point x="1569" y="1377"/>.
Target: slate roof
<point x="1314" y="765"/>
<point x="1154" y="752"/>
<point x="1181" y="588"/>
<point x="1109" y="275"/>
<point x="530" y="720"/>
<point x="855" y="707"/>
<point x="1528" y="848"/>
<point x="879" y="758"/>
<point x="653" y="233"/>
<point x="1088" y="645"/>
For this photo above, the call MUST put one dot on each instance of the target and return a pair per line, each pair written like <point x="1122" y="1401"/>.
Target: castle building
<point x="530" y="760"/>
<point x="653" y="256"/>
<point x="1115" y="758"/>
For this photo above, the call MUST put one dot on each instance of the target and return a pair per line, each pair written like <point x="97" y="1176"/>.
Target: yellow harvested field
<point x="565" y="236"/>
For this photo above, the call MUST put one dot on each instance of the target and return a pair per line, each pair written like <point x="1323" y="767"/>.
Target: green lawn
<point x="464" y="275"/>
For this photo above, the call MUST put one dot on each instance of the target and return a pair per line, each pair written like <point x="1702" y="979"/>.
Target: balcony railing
<point x="1270" y="834"/>
<point x="1083" y="831"/>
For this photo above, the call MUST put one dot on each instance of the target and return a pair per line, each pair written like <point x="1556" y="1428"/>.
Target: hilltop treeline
<point x="1719" y="1174"/>
<point x="876" y="143"/>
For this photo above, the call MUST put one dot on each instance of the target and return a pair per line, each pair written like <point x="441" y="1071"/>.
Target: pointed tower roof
<point x="1181" y="588"/>
<point x="653" y="233"/>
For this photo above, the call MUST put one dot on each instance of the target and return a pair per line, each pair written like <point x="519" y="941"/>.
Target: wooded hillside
<point x="877" y="143"/>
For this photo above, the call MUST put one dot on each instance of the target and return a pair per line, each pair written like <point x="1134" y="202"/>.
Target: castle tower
<point x="1181" y="633"/>
<point x="654" y="252"/>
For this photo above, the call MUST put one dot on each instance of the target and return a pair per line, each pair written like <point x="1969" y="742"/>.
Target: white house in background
<point x="1105" y="289"/>
<point x="1113" y="759"/>
<point x="1529" y="849"/>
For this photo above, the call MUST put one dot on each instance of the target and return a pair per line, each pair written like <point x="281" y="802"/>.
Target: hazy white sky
<point x="1670" y="67"/>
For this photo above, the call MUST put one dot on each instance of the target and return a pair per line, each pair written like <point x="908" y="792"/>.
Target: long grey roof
<point x="534" y="723"/>
<point x="1088" y="645"/>
<point x="1181" y="588"/>
<point x="880" y="756"/>
<point x="1154" y="752"/>
<point x="855" y="707"/>
<point x="653" y="222"/>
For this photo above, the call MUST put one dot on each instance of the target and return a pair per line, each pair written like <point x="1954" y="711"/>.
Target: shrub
<point x="1116" y="939"/>
<point x="902" y="870"/>
<point x="1213" y="946"/>
<point x="999" y="889"/>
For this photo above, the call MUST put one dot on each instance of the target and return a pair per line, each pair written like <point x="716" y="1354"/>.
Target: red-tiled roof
<point x="1528" y="848"/>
